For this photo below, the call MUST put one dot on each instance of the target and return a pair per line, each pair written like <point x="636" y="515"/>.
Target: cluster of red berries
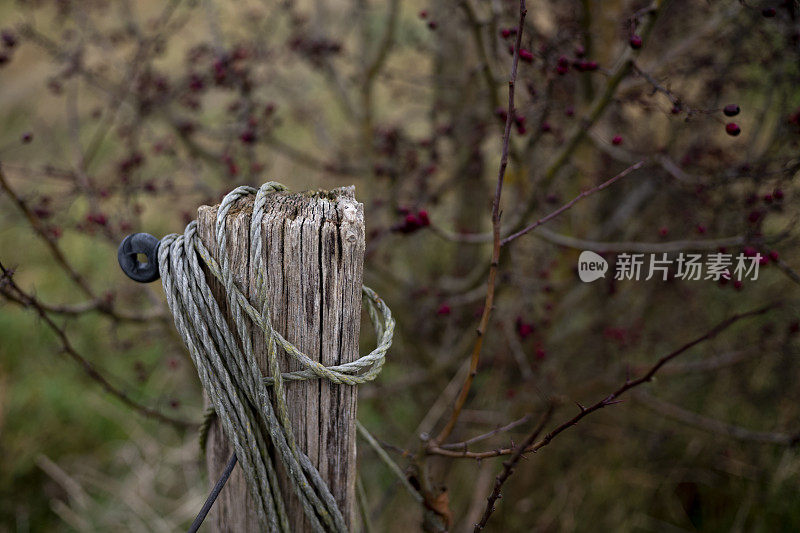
<point x="562" y="67"/>
<point x="505" y="33"/>
<point x="794" y="118"/>
<point x="230" y="165"/>
<point x="97" y="218"/>
<point x="764" y="258"/>
<point x="432" y="25"/>
<point x="9" y="40"/>
<point x="579" y="63"/>
<point x="519" y="120"/>
<point x="412" y="221"/>
<point x="526" y="329"/>
<point x="524" y="54"/>
<point x="731" y="128"/>
<point x="130" y="163"/>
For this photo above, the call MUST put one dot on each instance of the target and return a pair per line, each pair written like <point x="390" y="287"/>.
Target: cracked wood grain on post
<point x="313" y="252"/>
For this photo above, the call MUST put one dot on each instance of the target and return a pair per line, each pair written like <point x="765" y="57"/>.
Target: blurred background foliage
<point x="123" y="116"/>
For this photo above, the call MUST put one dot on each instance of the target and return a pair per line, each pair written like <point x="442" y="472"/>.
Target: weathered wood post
<point x="314" y="253"/>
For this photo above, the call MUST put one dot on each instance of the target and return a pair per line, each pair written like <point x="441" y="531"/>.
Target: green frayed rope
<point x="226" y="364"/>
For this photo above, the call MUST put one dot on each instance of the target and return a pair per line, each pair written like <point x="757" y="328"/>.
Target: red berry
<point x="525" y="55"/>
<point x="248" y="136"/>
<point x="763" y="260"/>
<point x="580" y="51"/>
<point x="9" y="39"/>
<point x="505" y="33"/>
<point x="730" y="110"/>
<point x="585" y="66"/>
<point x="768" y="198"/>
<point x="570" y="111"/>
<point x="617" y="140"/>
<point x="42" y="212"/>
<point x="635" y="42"/>
<point x="768" y="12"/>
<point x="423" y="218"/>
<point x="663" y="231"/>
<point x="778" y="194"/>
<point x="732" y="129"/>
<point x="524" y="329"/>
<point x="749" y="251"/>
<point x="540" y="353"/>
<point x="443" y="310"/>
<point x="701" y="229"/>
<point x="546" y="127"/>
<point x="423" y="14"/>
<point x="432" y="25"/>
<point x="737" y="285"/>
<point x="27" y="137"/>
<point x="773" y="254"/>
<point x="97" y="218"/>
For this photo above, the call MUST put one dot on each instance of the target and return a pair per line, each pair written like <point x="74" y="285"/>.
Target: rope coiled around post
<point x="226" y="363"/>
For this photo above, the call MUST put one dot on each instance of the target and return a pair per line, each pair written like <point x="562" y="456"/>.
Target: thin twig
<point x="98" y="304"/>
<point x="572" y="202"/>
<point x="388" y="461"/>
<point x="487" y="308"/>
<point x="508" y="469"/>
<point x="635" y="246"/>
<point x="713" y="425"/>
<point x="484" y="436"/>
<point x="478" y="238"/>
<point x="12" y="292"/>
<point x="612" y="398"/>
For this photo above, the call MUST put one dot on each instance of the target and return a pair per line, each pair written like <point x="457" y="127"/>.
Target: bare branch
<point x="12" y="292"/>
<point x="487" y="308"/>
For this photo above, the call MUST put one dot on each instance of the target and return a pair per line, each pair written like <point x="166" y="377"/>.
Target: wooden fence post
<point x="314" y="253"/>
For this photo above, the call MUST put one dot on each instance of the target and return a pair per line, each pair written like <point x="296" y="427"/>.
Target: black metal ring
<point x="139" y="243"/>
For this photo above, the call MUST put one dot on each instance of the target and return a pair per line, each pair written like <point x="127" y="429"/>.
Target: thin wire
<point x="198" y="521"/>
